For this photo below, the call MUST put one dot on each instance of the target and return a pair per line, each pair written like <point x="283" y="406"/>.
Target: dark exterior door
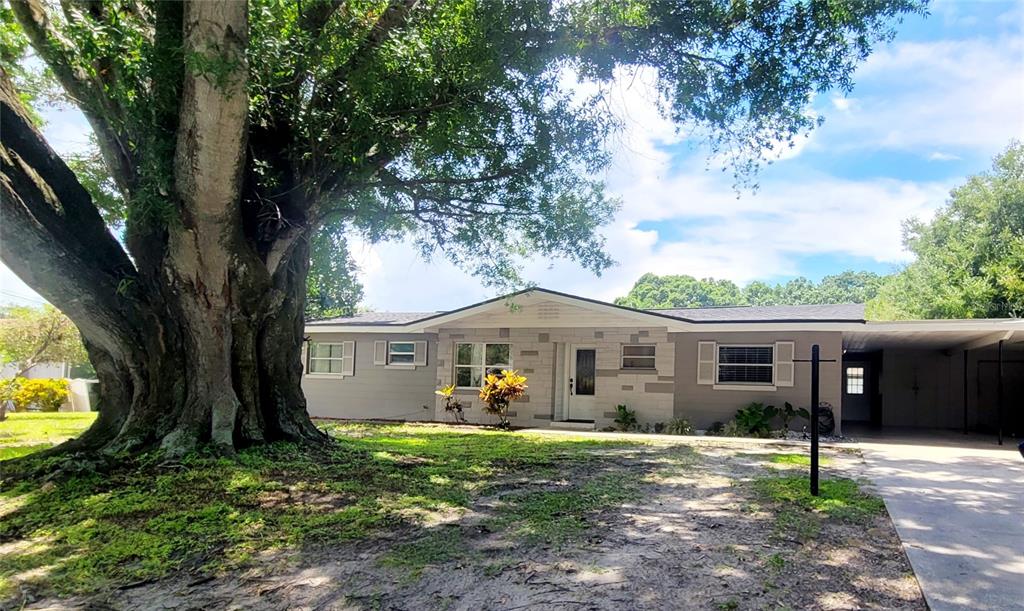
<point x="586" y="370"/>
<point x="856" y="391"/>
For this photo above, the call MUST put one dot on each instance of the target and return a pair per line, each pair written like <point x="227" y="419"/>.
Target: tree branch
<point x="63" y="206"/>
<point x="101" y="112"/>
<point x="394" y="16"/>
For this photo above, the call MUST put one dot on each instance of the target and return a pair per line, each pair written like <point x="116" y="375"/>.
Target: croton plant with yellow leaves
<point x="499" y="391"/>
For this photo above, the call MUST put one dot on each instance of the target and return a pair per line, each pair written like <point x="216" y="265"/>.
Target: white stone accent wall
<point x="538" y="353"/>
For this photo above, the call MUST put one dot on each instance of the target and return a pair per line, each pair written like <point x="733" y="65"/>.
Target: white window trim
<point x="483" y="366"/>
<point x="861" y="378"/>
<point x="623" y="357"/>
<point x="745" y="385"/>
<point x="325" y="374"/>
<point x="389" y="354"/>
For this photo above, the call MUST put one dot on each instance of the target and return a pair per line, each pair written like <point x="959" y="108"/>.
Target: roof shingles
<point x="845" y="312"/>
<point x="375" y="318"/>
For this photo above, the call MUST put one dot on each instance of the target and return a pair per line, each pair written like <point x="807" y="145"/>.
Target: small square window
<point x="855" y="380"/>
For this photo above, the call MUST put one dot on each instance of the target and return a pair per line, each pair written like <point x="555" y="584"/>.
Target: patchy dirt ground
<point x="697" y="530"/>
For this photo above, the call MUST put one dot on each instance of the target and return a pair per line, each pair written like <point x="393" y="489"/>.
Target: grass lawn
<point x="40" y="429"/>
<point x="433" y="516"/>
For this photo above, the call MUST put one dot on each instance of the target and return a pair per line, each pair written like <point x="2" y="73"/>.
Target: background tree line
<point x="969" y="263"/>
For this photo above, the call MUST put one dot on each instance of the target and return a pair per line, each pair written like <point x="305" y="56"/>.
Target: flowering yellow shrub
<point x="48" y="394"/>
<point x="499" y="391"/>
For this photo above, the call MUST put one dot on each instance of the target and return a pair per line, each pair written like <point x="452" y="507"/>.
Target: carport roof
<point x="934" y="334"/>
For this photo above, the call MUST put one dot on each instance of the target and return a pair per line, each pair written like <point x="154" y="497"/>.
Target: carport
<point x="966" y="375"/>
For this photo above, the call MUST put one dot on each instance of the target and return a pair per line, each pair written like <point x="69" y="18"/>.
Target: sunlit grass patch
<point x="42" y="429"/>
<point x="839" y="498"/>
<point x="803" y="460"/>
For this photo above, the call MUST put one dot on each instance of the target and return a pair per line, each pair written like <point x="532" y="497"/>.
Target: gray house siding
<point x="374" y="391"/>
<point x="703" y="405"/>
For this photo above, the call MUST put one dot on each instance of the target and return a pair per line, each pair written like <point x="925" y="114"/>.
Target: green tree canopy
<point x="235" y="131"/>
<point x="970" y="256"/>
<point x="681" y="291"/>
<point x="32" y="336"/>
<point x="332" y="288"/>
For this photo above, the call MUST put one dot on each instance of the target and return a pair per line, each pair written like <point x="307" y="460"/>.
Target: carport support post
<point x="965" y="392"/>
<point x="999" y="392"/>
<point x="815" y="364"/>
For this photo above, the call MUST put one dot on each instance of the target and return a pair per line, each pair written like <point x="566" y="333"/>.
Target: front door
<point x="582" y="383"/>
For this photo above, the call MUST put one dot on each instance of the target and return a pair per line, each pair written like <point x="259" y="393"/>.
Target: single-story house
<point x="584" y="357"/>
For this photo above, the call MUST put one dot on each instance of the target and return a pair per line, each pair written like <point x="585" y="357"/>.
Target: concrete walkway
<point x="960" y="513"/>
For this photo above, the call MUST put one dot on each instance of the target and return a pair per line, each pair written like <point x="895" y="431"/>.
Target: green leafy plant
<point x="788" y="413"/>
<point x="499" y="391"/>
<point x="756" y="419"/>
<point x="452" y="404"/>
<point x="625" y="418"/>
<point x="678" y="426"/>
<point x="48" y="394"/>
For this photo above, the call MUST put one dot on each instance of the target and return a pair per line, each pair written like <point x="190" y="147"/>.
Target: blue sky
<point x="927" y="110"/>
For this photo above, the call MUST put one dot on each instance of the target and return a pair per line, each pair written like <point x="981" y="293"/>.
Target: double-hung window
<point x="332" y="358"/>
<point x="401" y="353"/>
<point x="638" y="356"/>
<point x="746" y="365"/>
<point x="474" y="360"/>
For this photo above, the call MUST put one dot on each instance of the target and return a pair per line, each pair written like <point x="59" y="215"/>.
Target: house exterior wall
<point x="539" y="354"/>
<point x="703" y="405"/>
<point x="375" y="391"/>
<point x="42" y="370"/>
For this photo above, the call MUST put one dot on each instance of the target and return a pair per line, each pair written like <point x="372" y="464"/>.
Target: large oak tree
<point x="233" y="131"/>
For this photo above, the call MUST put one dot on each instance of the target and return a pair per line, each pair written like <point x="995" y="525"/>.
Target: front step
<point x="572" y="425"/>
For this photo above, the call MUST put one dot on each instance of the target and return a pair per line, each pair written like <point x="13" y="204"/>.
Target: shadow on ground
<point x="427" y="517"/>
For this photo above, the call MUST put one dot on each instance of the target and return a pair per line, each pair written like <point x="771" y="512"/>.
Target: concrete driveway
<point x="958" y="505"/>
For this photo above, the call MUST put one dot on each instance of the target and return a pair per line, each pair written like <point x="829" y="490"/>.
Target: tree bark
<point x="195" y="339"/>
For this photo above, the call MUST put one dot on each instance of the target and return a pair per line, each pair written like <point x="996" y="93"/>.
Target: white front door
<point x="582" y="382"/>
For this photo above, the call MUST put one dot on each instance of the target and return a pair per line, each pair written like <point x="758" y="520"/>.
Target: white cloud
<point x="940" y="156"/>
<point x="843" y="104"/>
<point x="946" y="94"/>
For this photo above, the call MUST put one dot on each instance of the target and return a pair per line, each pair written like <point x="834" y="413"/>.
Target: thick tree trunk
<point x="198" y="339"/>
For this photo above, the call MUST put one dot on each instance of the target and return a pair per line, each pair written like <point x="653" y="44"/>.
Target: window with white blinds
<point x="746" y="364"/>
